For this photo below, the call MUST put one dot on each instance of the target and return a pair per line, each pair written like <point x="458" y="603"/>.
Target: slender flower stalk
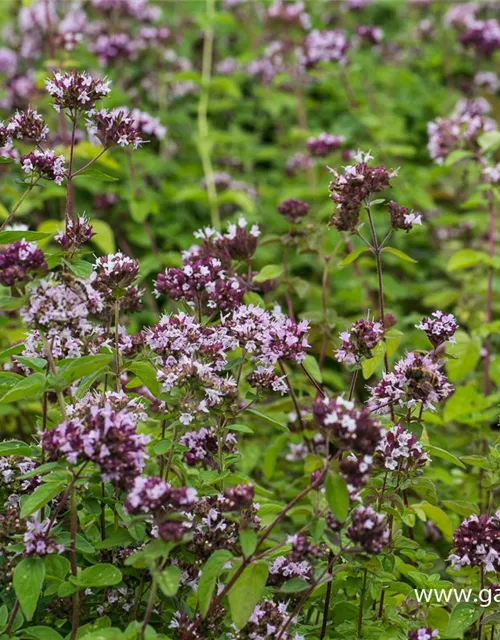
<point x="204" y="144"/>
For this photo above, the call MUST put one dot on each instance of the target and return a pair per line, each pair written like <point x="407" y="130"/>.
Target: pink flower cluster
<point x="320" y="146"/>
<point x="114" y="127"/>
<point x="359" y="340"/>
<point x="28" y="125"/>
<point x="203" y="446"/>
<point x="325" y="46"/>
<point x="152" y="495"/>
<point x="103" y="436"/>
<point x="401" y="450"/>
<point x="416" y="379"/>
<point x="38" y="541"/>
<point x="369" y="529"/>
<point x="461" y="130"/>
<point x="354" y="429"/>
<point x="44" y="164"/>
<point x="268" y="336"/>
<point x="424" y="633"/>
<point x="76" y="90"/>
<point x="477" y="543"/>
<point x="350" y="189"/>
<point x="440" y="328"/>
<point x="18" y="260"/>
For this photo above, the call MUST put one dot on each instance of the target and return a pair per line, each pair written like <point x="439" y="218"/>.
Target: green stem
<point x="362" y="605"/>
<point x="17" y="205"/>
<point x="74" y="568"/>
<point x="203" y="127"/>
<point x="150" y="605"/>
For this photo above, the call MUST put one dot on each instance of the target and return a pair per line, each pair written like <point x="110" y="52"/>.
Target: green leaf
<point x="146" y="373"/>
<point x="246" y="593"/>
<point x="94" y="174"/>
<point x="353" y="256"/>
<point x="399" y="254"/>
<point x="6" y="237"/>
<point x="209" y="574"/>
<point x="81" y="268"/>
<point x="312" y="367"/>
<point x="269" y="272"/>
<point x="80" y="367"/>
<point x="100" y="575"/>
<point x="248" y="541"/>
<point x="439" y="517"/>
<point x="457" y="156"/>
<point x="104" y="238"/>
<point x="169" y="580"/>
<point x="461" y="618"/>
<point x="371" y="365"/>
<point x="467" y="352"/>
<point x="437" y="452"/>
<point x="25" y="388"/>
<point x="259" y="414"/>
<point x="121" y="538"/>
<point x="337" y="495"/>
<point x="489" y="141"/>
<point x="243" y="428"/>
<point x="41" y="496"/>
<point x="463" y="508"/>
<point x="28" y="580"/>
<point x="296" y="585"/>
<point x="42" y="633"/>
<point x="467" y="258"/>
<point x="271" y="455"/>
<point x="16" y="448"/>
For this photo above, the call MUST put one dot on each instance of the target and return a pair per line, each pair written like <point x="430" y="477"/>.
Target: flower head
<point x="369" y="529"/>
<point x="424" y="633"/>
<point x="354" y="429"/>
<point x="351" y="188"/>
<point x="114" y="127"/>
<point x="76" y="91"/>
<point x="359" y="340"/>
<point x="416" y="379"/>
<point x="104" y="436"/>
<point x="440" y="328"/>
<point x="402" y="217"/>
<point x="293" y="210"/>
<point x="401" y="450"/>
<point x="28" y="125"/>
<point x="325" y="143"/>
<point x="37" y="540"/>
<point x="477" y="543"/>
<point x="45" y="164"/>
<point x="18" y="260"/>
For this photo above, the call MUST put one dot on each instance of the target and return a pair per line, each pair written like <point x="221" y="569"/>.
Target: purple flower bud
<point x="354" y="429"/>
<point x="293" y="210"/>
<point x="45" y="164"/>
<point x="369" y="529"/>
<point x="239" y="496"/>
<point x="18" y="260"/>
<point x="477" y="543"/>
<point x="440" y="328"/>
<point x="350" y="189"/>
<point x="402" y="217"/>
<point x="28" y="125"/>
<point x="324" y="144"/>
<point x="76" y="91"/>
<point x="424" y="633"/>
